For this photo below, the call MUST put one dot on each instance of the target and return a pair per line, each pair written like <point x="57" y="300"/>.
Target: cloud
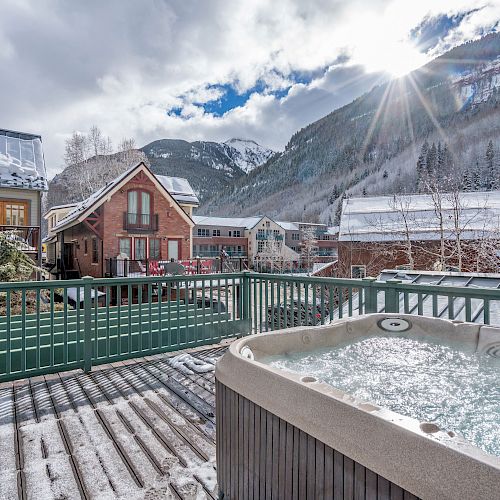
<point x="199" y="69"/>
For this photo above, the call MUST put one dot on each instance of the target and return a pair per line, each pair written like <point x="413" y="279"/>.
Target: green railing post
<point x="245" y="300"/>
<point x="392" y="297"/>
<point x="87" y="323"/>
<point x="370" y="292"/>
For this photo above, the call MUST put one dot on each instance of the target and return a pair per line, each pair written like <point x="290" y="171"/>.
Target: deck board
<point x="143" y="428"/>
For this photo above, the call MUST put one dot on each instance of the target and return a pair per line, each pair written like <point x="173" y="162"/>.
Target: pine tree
<point x="431" y="160"/>
<point x="491" y="174"/>
<point x="385" y="174"/>
<point x="476" y="178"/>
<point x="422" y="165"/>
<point x="364" y="191"/>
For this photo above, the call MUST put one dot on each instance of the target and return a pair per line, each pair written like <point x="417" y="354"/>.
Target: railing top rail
<point x="456" y="291"/>
<point x="28" y="285"/>
<point x="459" y="291"/>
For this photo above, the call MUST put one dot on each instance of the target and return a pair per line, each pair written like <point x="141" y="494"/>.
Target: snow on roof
<point x="381" y="218"/>
<point x="179" y="188"/>
<point x="176" y="183"/>
<point x="288" y="226"/>
<point x="332" y="230"/>
<point x="243" y="222"/>
<point x="59" y="207"/>
<point x="21" y="161"/>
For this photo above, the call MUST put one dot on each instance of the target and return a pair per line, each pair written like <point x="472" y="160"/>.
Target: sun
<point x="397" y="58"/>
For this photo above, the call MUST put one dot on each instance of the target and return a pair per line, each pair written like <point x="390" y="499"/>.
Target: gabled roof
<point x="59" y="207"/>
<point x="378" y="218"/>
<point x="22" y="165"/>
<point x="86" y="207"/>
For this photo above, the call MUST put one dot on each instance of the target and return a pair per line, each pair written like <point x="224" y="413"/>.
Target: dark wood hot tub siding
<point x="261" y="456"/>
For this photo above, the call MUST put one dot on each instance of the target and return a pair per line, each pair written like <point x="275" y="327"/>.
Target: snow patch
<point x="190" y="365"/>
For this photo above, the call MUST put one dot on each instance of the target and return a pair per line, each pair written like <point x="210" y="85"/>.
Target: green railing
<point x="51" y="326"/>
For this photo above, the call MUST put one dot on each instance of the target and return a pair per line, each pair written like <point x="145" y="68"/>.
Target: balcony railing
<point x="140" y="222"/>
<point x="50" y="326"/>
<point x="270" y="236"/>
<point x="27" y="237"/>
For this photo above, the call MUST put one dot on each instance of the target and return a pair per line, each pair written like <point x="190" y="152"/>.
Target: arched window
<point x="139" y="208"/>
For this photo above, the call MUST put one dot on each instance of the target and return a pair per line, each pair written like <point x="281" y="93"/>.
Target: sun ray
<point x="375" y="118"/>
<point x="430" y="114"/>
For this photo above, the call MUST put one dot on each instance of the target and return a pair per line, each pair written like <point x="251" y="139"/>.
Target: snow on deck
<point x="137" y="429"/>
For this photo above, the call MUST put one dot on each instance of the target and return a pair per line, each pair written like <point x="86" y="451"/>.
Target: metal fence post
<point x="245" y="300"/>
<point x="370" y="292"/>
<point x="87" y="323"/>
<point x="392" y="296"/>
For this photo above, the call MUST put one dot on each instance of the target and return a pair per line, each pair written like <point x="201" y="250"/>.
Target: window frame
<point x="156" y="240"/>
<point x="361" y="267"/>
<point x="140" y="212"/>
<point x="94" y="251"/>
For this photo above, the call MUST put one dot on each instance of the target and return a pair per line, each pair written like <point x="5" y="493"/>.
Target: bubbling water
<point x="426" y="380"/>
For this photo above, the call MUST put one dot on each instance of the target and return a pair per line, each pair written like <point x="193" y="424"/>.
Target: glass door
<point x="140" y="248"/>
<point x="173" y="249"/>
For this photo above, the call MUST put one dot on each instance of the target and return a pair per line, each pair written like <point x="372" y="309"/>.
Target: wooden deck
<point x="138" y="429"/>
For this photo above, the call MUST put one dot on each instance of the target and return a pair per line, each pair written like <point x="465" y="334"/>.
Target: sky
<point x="210" y="69"/>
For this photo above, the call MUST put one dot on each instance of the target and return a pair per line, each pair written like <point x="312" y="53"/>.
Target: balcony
<point x="140" y="223"/>
<point x="28" y="237"/>
<point x="270" y="236"/>
<point x="128" y="428"/>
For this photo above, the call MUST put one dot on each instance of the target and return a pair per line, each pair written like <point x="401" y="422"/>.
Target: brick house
<point x="139" y="216"/>
<point x="409" y="232"/>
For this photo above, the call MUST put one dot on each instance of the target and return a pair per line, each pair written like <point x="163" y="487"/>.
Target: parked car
<point x="214" y="304"/>
<point x="296" y="314"/>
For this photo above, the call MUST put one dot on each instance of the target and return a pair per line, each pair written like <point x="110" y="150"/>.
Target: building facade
<point x="138" y="217"/>
<point x="23" y="180"/>
<point x="262" y="238"/>
<point x="457" y="232"/>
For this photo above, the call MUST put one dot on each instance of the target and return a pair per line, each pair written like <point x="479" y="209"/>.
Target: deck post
<point x="392" y="296"/>
<point x="245" y="299"/>
<point x="87" y="323"/>
<point x="370" y="292"/>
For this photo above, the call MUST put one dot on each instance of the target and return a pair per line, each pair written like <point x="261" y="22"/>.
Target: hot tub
<point x="283" y="434"/>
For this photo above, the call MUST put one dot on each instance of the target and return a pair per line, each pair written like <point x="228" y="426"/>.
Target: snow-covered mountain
<point x="209" y="166"/>
<point x="248" y="154"/>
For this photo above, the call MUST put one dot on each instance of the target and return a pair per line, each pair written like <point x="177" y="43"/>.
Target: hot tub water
<point x="429" y="381"/>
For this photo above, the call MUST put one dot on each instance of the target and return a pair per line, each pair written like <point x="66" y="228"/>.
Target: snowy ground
<point x="140" y="429"/>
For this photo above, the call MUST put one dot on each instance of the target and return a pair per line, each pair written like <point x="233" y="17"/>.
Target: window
<point x="216" y="232"/>
<point x="14" y="213"/>
<point x="95" y="251"/>
<point x="155" y="248"/>
<point x="139" y="248"/>
<point x="204" y="233"/>
<point x="295" y="236"/>
<point x="260" y="246"/>
<point x="85" y="246"/>
<point x="358" y="272"/>
<point x="125" y="247"/>
<point x="139" y="208"/>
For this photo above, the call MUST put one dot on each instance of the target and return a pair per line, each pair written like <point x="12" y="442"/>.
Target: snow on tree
<point x="309" y="246"/>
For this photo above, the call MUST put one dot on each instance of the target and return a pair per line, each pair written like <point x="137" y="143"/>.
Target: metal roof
<point x="464" y="280"/>
<point x="242" y="222"/>
<point x="179" y="188"/>
<point x="379" y="219"/>
<point x="22" y="164"/>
